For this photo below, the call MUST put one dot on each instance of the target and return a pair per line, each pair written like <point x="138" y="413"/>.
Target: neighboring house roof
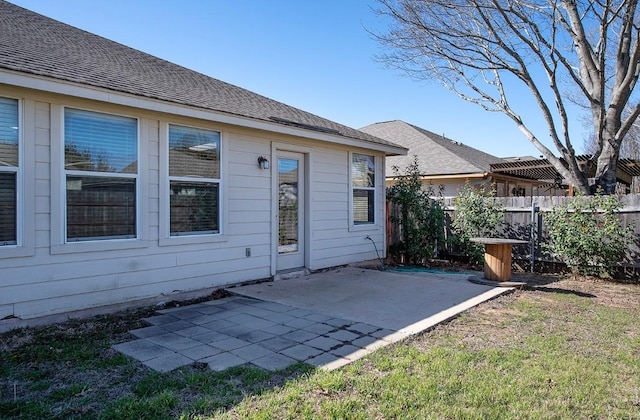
<point x="35" y="44"/>
<point x="437" y="155"/>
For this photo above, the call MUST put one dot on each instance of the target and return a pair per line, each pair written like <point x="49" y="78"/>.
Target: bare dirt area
<point x="608" y="293"/>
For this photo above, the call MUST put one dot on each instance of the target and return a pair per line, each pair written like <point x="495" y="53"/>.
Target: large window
<point x="194" y="181"/>
<point x="101" y="167"/>
<point x="9" y="163"/>
<point x="363" y="185"/>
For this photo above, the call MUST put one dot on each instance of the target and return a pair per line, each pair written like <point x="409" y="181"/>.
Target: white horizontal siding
<point x="57" y="271"/>
<point x="50" y="282"/>
<point x="333" y="242"/>
<point x="223" y="255"/>
<point x="336" y="225"/>
<point x="6" y="311"/>
<point x="249" y="192"/>
<point x="50" y="306"/>
<point x="249" y="228"/>
<point x="329" y="197"/>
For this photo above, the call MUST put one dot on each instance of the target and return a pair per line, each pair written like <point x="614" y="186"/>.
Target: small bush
<point x="477" y="214"/>
<point x="421" y="218"/>
<point x="587" y="235"/>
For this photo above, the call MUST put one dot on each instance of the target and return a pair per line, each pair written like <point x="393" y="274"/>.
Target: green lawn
<point x="566" y="350"/>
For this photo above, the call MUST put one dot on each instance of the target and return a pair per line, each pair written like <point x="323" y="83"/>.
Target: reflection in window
<point x="194" y="181"/>
<point x="101" y="163"/>
<point x="9" y="165"/>
<point x="363" y="188"/>
<point x="100" y="142"/>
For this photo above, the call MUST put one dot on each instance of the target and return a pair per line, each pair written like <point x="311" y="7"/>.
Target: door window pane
<point x="288" y="205"/>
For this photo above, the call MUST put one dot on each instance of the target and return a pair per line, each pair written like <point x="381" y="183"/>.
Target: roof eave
<point x="62" y="87"/>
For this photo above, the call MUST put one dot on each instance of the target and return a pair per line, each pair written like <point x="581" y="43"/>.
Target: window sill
<point x="97" y="246"/>
<point x="192" y="239"/>
<point x="363" y="227"/>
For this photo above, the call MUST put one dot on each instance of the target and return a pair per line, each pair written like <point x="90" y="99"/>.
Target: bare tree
<point x="565" y="52"/>
<point x="629" y="148"/>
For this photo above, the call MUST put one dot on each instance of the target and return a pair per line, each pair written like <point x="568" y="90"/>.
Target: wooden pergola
<point x="542" y="170"/>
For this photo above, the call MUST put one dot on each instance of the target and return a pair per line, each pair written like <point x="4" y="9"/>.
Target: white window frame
<point x="15" y="249"/>
<point x="364" y="226"/>
<point x="59" y="242"/>
<point x="166" y="239"/>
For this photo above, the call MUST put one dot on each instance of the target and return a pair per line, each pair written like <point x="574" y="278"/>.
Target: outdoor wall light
<point x="263" y="162"/>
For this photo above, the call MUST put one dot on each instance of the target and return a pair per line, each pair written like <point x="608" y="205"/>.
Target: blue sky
<point x="314" y="55"/>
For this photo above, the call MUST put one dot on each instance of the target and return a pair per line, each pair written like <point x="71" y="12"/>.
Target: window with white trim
<point x="9" y="171"/>
<point x="101" y="175"/>
<point x="363" y="185"/>
<point x="194" y="181"/>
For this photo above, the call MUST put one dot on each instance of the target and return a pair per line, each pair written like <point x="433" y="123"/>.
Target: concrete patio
<point x="326" y="320"/>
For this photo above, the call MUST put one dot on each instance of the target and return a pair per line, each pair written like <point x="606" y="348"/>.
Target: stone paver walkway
<point x="237" y="330"/>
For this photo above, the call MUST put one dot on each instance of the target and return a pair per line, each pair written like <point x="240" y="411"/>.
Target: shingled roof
<point x="437" y="155"/>
<point x="35" y="44"/>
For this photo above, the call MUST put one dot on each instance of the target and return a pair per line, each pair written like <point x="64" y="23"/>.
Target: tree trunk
<point x="607" y="168"/>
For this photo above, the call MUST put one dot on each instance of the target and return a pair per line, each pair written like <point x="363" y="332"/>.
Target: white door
<point x="291" y="211"/>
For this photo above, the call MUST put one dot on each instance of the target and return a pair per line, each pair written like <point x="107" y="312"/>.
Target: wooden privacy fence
<point x="524" y="220"/>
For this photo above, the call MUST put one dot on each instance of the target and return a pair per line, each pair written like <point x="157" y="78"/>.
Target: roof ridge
<point x="449" y="142"/>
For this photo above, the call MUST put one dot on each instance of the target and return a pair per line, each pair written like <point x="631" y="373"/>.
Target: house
<point x="126" y="179"/>
<point x="449" y="163"/>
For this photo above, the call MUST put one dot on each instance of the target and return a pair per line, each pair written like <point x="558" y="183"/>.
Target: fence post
<point x="532" y="239"/>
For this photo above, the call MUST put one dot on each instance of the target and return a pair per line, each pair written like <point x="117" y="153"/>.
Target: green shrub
<point x="477" y="214"/>
<point x="421" y="218"/>
<point x="586" y="234"/>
